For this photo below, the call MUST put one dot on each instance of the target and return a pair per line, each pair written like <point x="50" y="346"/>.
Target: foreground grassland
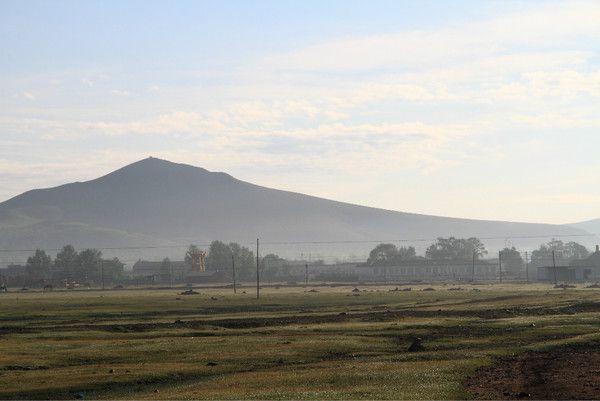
<point x="293" y="343"/>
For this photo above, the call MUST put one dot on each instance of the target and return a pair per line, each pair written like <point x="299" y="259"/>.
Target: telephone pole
<point x="102" y="272"/>
<point x="233" y="271"/>
<point x="306" y="275"/>
<point x="526" y="266"/>
<point x="554" y="266"/>
<point x="500" y="264"/>
<point x="473" y="268"/>
<point x="257" y="273"/>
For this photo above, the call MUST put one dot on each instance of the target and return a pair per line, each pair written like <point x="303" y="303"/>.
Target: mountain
<point x="154" y="202"/>
<point x="591" y="226"/>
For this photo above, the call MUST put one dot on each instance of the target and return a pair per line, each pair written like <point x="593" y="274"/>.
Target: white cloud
<point x="29" y="96"/>
<point x="551" y="25"/>
<point x="118" y="92"/>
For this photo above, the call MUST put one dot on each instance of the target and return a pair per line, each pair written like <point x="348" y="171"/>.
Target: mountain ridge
<point x="155" y="201"/>
<point x="592" y="226"/>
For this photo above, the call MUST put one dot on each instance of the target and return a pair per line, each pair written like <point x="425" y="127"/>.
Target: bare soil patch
<point x="571" y="372"/>
<point x="255" y="322"/>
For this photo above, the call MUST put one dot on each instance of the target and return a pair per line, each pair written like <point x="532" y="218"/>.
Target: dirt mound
<point x="417" y="345"/>
<point x="565" y="373"/>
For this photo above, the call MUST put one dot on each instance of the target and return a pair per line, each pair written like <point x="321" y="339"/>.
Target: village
<point x="447" y="260"/>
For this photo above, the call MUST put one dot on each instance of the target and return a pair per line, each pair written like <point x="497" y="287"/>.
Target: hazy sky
<point x="470" y="109"/>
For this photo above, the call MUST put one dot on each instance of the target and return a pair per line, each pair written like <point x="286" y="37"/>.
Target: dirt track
<point x="565" y="373"/>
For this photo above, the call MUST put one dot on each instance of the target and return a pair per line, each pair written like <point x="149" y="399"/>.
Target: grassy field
<point x="293" y="343"/>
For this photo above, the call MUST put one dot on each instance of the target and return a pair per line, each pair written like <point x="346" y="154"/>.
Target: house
<point x="150" y="272"/>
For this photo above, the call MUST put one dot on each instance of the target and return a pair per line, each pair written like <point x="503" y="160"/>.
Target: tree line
<point x="465" y="249"/>
<point x="221" y="257"/>
<point x="85" y="266"/>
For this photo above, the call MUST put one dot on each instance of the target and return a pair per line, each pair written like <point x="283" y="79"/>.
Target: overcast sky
<point x="469" y="109"/>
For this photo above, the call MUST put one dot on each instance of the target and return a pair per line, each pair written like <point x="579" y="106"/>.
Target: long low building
<point x="426" y="269"/>
<point x="152" y="272"/>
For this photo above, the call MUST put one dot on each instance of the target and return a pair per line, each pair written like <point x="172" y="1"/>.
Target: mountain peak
<point x="155" y="162"/>
<point x="155" y="168"/>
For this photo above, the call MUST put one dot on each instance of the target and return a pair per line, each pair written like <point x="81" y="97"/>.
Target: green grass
<point x="290" y="344"/>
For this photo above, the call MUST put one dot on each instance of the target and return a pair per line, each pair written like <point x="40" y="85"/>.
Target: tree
<point x="407" y="253"/>
<point x="569" y="251"/>
<point x="89" y="266"/>
<point x="512" y="260"/>
<point x="38" y="265"/>
<point x="574" y="250"/>
<point x="245" y="264"/>
<point x="389" y="254"/>
<point x="455" y="249"/>
<point x="272" y="265"/>
<point x="219" y="257"/>
<point x="66" y="262"/>
<point x="382" y="254"/>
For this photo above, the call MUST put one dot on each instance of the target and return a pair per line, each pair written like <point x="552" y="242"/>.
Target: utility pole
<point x="526" y="266"/>
<point x="257" y="273"/>
<point x="500" y="264"/>
<point x="233" y="271"/>
<point x="554" y="265"/>
<point x="473" y="268"/>
<point x="306" y="275"/>
<point x="171" y="275"/>
<point x="102" y="272"/>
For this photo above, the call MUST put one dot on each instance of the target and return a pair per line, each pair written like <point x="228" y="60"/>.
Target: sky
<point x="477" y="109"/>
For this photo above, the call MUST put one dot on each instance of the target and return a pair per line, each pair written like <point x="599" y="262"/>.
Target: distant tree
<point x="382" y="254"/>
<point x="89" y="266"/>
<point x="542" y="254"/>
<point x="569" y="251"/>
<point x="66" y="262"/>
<point x="407" y="253"/>
<point x="389" y="254"/>
<point x="512" y="260"/>
<point x="455" y="249"/>
<point x="38" y="265"/>
<point x="574" y="250"/>
<point x="219" y="257"/>
<point x="245" y="263"/>
<point x="272" y="265"/>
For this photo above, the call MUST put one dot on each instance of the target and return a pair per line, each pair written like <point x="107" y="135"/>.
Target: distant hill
<point x="155" y="202"/>
<point x="592" y="226"/>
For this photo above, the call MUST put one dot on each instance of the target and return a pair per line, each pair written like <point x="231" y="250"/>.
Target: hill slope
<point x="154" y="202"/>
<point x="591" y="226"/>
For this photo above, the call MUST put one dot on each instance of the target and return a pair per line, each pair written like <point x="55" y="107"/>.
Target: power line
<point x="422" y="239"/>
<point x="330" y="242"/>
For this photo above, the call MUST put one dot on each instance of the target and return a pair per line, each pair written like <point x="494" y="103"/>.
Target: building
<point x="151" y="272"/>
<point x="14" y="276"/>
<point x="429" y="270"/>
<point x="577" y="270"/>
